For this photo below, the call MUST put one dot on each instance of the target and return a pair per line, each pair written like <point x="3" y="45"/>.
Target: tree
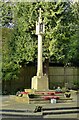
<point x="55" y="13"/>
<point x="74" y="45"/>
<point x="7" y="14"/>
<point x="22" y="46"/>
<point x="9" y="68"/>
<point x="59" y="45"/>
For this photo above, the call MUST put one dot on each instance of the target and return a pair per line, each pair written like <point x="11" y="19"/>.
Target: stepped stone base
<point x="39" y="83"/>
<point x="24" y="99"/>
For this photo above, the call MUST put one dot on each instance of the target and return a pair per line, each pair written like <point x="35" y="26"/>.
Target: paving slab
<point x="60" y="116"/>
<point x="8" y="104"/>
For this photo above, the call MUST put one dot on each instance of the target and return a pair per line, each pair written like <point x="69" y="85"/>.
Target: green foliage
<point x="76" y="84"/>
<point x="56" y="39"/>
<point x="74" y="41"/>
<point x="58" y="31"/>
<point x="60" y="42"/>
<point x="9" y="68"/>
<point x="7" y="13"/>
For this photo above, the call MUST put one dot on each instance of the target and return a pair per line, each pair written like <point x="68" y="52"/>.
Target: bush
<point x="76" y="84"/>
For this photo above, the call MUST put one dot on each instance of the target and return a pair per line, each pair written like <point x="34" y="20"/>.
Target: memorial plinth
<point x="39" y="82"/>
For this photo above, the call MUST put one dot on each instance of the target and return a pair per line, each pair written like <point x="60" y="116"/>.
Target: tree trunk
<point x="46" y="67"/>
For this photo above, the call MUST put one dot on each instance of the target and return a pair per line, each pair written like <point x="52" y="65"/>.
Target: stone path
<point x="12" y="108"/>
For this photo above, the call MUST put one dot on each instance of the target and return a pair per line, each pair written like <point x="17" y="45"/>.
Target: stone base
<point x="40" y="83"/>
<point x="24" y="99"/>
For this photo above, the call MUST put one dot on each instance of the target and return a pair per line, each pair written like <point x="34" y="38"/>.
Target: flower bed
<point x="51" y="97"/>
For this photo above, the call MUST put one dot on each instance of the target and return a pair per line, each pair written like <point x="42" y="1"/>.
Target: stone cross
<point x="40" y="12"/>
<point x="40" y="81"/>
<point x="39" y="66"/>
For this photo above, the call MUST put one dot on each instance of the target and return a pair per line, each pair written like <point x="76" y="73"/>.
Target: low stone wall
<point x="58" y="76"/>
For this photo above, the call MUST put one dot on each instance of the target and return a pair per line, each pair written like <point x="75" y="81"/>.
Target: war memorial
<point x="40" y="92"/>
<point x="40" y="101"/>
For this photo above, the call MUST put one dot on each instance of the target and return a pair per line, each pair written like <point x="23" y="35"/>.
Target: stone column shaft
<point x="39" y="66"/>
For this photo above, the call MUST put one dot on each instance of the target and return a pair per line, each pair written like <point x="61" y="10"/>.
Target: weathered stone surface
<point x="23" y="99"/>
<point x="40" y="83"/>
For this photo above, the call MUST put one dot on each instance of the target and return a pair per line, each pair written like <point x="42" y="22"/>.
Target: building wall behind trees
<point x="58" y="76"/>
